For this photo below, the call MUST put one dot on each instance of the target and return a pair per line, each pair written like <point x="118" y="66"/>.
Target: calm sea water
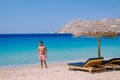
<point x="22" y="48"/>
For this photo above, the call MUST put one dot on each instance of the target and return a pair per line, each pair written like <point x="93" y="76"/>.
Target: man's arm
<point x="46" y="51"/>
<point x="38" y="50"/>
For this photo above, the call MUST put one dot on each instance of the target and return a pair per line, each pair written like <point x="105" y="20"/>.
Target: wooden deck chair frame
<point x="90" y="65"/>
<point x="113" y="63"/>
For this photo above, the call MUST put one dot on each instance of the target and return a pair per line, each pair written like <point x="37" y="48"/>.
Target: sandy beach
<point x="54" y="72"/>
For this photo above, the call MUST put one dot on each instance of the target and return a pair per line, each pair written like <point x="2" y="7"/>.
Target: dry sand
<point x="54" y="72"/>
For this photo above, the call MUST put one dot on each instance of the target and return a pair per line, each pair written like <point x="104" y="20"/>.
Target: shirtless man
<point x="42" y="52"/>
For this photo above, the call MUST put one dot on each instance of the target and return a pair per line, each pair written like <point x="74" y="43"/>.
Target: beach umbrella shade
<point x="101" y="28"/>
<point x="95" y="29"/>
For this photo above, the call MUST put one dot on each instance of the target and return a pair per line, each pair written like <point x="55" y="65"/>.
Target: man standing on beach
<point x="42" y="52"/>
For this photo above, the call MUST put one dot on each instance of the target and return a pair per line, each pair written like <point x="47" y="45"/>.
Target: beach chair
<point x="113" y="63"/>
<point x="92" y="64"/>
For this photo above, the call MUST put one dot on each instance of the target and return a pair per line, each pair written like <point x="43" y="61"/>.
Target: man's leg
<point x="45" y="64"/>
<point x="41" y="63"/>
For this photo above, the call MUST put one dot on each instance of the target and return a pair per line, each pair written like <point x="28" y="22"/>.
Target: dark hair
<point x="41" y="42"/>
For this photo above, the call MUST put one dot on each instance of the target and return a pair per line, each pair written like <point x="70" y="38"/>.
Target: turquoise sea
<point x="20" y="49"/>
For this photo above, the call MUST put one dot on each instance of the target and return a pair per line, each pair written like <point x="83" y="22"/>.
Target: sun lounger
<point x="90" y="65"/>
<point x="114" y="62"/>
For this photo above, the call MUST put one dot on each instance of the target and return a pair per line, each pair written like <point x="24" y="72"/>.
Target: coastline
<point x="55" y="63"/>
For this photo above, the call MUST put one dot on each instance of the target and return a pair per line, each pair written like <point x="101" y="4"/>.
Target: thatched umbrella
<point x="100" y="28"/>
<point x="96" y="29"/>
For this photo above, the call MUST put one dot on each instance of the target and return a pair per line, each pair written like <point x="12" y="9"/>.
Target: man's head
<point x="41" y="43"/>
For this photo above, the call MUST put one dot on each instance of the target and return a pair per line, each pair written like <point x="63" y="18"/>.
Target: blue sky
<point x="44" y="16"/>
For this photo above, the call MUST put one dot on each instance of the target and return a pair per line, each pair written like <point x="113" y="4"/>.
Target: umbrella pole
<point x="98" y="45"/>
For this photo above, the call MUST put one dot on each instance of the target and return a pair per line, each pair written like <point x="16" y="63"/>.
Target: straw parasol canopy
<point x="97" y="29"/>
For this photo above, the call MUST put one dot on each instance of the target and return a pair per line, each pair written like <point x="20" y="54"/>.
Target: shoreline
<point x="55" y="63"/>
